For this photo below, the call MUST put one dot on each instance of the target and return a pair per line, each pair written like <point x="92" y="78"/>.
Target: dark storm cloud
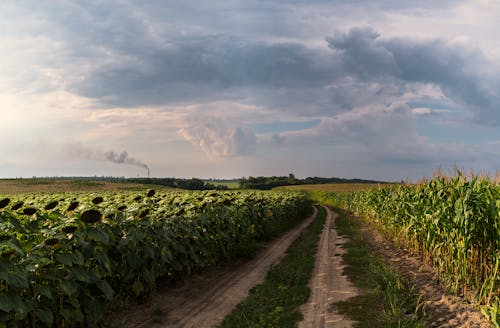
<point x="437" y="62"/>
<point x="203" y="69"/>
<point x="360" y="66"/>
<point x="361" y="55"/>
<point x="156" y="53"/>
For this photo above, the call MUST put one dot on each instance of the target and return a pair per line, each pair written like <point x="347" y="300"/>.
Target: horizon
<point x="173" y="177"/>
<point x="380" y="90"/>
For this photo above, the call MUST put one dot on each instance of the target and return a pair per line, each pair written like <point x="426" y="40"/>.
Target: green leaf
<point x="45" y="290"/>
<point x="7" y="303"/>
<point x="72" y="315"/>
<point x="9" y="248"/>
<point x="106" y="289"/>
<point x="67" y="287"/>
<point x="104" y="261"/>
<point x="15" y="279"/>
<point x="66" y="259"/>
<point x="149" y="251"/>
<point x="10" y="302"/>
<point x="179" y="247"/>
<point x="149" y="277"/>
<point x="134" y="260"/>
<point x="78" y="258"/>
<point x="176" y="264"/>
<point x="137" y="236"/>
<point x="98" y="235"/>
<point x="45" y="316"/>
<point x="84" y="275"/>
<point x="4" y="275"/>
<point x="137" y="287"/>
<point x="94" y="307"/>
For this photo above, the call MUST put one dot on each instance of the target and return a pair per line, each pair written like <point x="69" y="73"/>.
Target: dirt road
<point x="204" y="301"/>
<point x="328" y="284"/>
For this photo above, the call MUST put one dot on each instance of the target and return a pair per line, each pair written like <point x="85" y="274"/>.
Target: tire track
<point x="204" y="301"/>
<point x="328" y="284"/>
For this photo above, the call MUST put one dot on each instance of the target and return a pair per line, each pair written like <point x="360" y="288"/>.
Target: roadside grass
<point x="276" y="302"/>
<point x="386" y="299"/>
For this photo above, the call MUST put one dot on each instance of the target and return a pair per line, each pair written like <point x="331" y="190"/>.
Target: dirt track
<point x="204" y="301"/>
<point x="328" y="284"/>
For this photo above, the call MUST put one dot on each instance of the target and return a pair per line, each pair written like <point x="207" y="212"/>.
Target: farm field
<point x="452" y="223"/>
<point x="66" y="257"/>
<point x="231" y="184"/>
<point x="15" y="186"/>
<point x="334" y="187"/>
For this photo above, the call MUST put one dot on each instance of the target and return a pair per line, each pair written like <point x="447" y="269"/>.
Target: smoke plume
<point x="123" y="158"/>
<point x="82" y="152"/>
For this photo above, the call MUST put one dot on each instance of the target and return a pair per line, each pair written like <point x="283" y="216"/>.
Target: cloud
<point x="359" y="66"/>
<point x="123" y="54"/>
<point x="375" y="128"/>
<point x="382" y="135"/>
<point x="204" y="68"/>
<point x="361" y="55"/>
<point x="219" y="139"/>
<point x="439" y="62"/>
<point x="425" y="111"/>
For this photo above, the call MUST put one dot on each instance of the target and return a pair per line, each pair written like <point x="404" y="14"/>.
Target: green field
<point x="334" y="187"/>
<point x="231" y="184"/>
<point x="66" y="257"/>
<point x="15" y="186"/>
<point x="452" y="222"/>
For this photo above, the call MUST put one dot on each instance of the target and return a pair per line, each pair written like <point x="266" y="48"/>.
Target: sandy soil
<point x="328" y="284"/>
<point x="443" y="309"/>
<point x="205" y="300"/>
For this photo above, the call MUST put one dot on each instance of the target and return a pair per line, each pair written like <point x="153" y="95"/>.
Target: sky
<point x="375" y="89"/>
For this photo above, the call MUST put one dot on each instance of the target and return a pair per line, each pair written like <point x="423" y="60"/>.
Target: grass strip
<point x="386" y="299"/>
<point x="276" y="302"/>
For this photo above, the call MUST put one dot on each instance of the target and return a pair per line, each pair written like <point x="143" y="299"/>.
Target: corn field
<point x="66" y="257"/>
<point x="453" y="223"/>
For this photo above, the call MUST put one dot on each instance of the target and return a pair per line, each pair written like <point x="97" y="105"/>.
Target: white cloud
<point x="217" y="138"/>
<point x="425" y="111"/>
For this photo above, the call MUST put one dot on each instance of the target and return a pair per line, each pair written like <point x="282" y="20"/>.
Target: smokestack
<point x="147" y="168"/>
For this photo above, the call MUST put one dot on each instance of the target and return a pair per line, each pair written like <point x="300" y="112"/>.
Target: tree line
<point x="266" y="183"/>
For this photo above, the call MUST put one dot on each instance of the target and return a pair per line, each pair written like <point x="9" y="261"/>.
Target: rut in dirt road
<point x="204" y="301"/>
<point x="328" y="284"/>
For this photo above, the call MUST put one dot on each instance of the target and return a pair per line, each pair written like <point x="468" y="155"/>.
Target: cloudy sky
<point x="383" y="89"/>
